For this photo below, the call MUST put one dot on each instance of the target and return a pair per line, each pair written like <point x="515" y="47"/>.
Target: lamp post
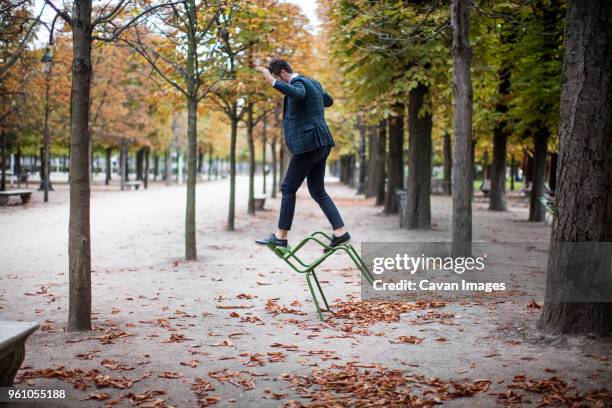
<point x="45" y="182"/>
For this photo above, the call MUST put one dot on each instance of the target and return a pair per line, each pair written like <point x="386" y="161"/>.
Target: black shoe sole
<point x="267" y="243"/>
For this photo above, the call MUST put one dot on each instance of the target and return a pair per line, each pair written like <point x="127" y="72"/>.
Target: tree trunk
<point x="361" y="182"/>
<point x="139" y="163"/>
<point x="448" y="163"/>
<point x="274" y="167"/>
<point x="192" y="140"/>
<point x="371" y="178"/>
<point x="462" y="94"/>
<point x="497" y="197"/>
<point x="512" y="172"/>
<point x="536" y="211"/>
<point x="146" y="168"/>
<point x="251" y="143"/>
<point x="42" y="169"/>
<point x="200" y="160"/>
<point x="528" y="169"/>
<point x="417" y="212"/>
<point x="79" y="240"/>
<point x="381" y="163"/>
<point x="90" y="153"/>
<point x="263" y="149"/>
<point x="127" y="161"/>
<point x="18" y="168"/>
<point x="552" y="172"/>
<point x="155" y="166"/>
<point x="352" y="166"/>
<point x="123" y="164"/>
<point x="3" y="164"/>
<point x="395" y="160"/>
<point x="210" y="162"/>
<point x="584" y="191"/>
<point x="232" y="200"/>
<point x="109" y="165"/>
<point x="47" y="139"/>
<point x="167" y="166"/>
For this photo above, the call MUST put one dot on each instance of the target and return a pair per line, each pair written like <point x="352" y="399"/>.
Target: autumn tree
<point x="85" y="29"/>
<point x="393" y="54"/>
<point x="183" y="51"/>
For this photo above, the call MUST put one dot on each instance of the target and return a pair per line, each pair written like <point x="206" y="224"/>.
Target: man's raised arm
<point x="297" y="91"/>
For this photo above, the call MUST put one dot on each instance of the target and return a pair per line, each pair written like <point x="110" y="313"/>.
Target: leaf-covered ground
<point x="237" y="328"/>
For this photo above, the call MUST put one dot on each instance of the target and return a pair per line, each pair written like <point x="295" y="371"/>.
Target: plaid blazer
<point x="303" y="114"/>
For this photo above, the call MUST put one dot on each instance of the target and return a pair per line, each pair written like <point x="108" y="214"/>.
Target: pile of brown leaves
<point x="369" y="312"/>
<point x="351" y="385"/>
<point x="80" y="379"/>
<point x="556" y="392"/>
<point x="273" y="307"/>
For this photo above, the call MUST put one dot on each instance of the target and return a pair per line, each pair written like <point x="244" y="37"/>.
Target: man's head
<point x="280" y="69"/>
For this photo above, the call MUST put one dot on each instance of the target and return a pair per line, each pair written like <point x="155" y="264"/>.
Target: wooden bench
<point x="136" y="184"/>
<point x="24" y="194"/>
<point x="260" y="201"/>
<point x="12" y="348"/>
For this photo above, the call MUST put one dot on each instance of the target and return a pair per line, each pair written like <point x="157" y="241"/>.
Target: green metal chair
<point x="289" y="255"/>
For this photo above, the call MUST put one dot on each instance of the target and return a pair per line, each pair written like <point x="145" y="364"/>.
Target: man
<point x="310" y="141"/>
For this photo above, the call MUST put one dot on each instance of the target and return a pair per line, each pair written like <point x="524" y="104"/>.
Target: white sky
<point x="310" y="9"/>
<point x="308" y="6"/>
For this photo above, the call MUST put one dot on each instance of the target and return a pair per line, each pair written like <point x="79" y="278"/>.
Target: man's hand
<point x="267" y="75"/>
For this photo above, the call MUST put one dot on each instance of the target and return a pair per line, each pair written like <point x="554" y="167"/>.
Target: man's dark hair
<point x="277" y="65"/>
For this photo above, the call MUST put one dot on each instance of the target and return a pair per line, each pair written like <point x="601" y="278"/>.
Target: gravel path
<point x="241" y="321"/>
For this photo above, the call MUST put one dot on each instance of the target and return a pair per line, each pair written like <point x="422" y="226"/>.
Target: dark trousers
<point x="309" y="166"/>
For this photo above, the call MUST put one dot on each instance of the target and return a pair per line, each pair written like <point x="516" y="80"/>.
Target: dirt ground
<point x="237" y="327"/>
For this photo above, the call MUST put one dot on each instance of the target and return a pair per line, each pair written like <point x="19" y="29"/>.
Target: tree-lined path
<point x="461" y="122"/>
<point x="238" y="319"/>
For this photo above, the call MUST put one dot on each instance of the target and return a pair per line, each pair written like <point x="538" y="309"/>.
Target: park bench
<point x="136" y="184"/>
<point x="439" y="186"/>
<point x="259" y="201"/>
<point x="289" y="255"/>
<point x="12" y="348"/>
<point x="25" y="195"/>
<point x="548" y="203"/>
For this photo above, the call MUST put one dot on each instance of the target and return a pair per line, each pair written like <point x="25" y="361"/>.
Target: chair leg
<point x="314" y="275"/>
<point x="314" y="297"/>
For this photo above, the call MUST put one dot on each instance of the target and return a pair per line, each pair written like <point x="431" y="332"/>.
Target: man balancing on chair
<point x="310" y="141"/>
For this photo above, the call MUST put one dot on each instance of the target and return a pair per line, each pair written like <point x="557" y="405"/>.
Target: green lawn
<point x="518" y="185"/>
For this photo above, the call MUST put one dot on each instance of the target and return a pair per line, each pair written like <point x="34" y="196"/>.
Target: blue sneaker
<point x="273" y="241"/>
